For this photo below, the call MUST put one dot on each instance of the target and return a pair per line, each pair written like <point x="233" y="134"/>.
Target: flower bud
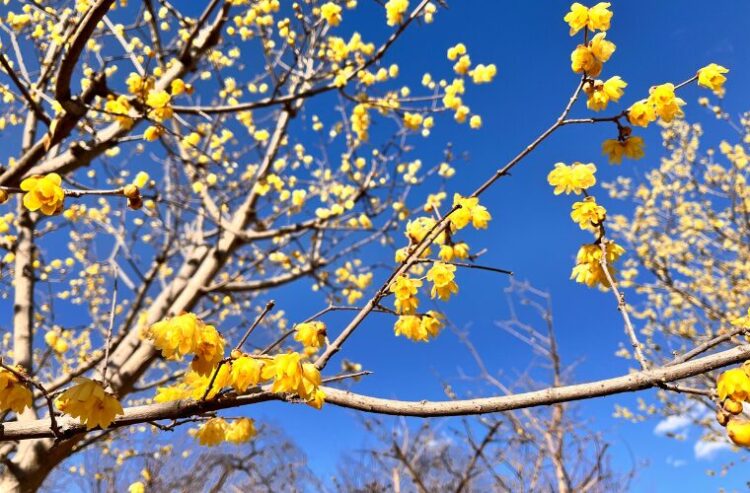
<point x="131" y="191"/>
<point x="3" y="196"/>
<point x="733" y="407"/>
<point x="739" y="432"/>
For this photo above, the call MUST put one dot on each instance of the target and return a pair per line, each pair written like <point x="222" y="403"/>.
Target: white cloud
<point x="676" y="462"/>
<point x="672" y="424"/>
<point x="707" y="450"/>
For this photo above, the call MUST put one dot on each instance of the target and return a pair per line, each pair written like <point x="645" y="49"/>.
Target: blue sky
<point x="531" y="234"/>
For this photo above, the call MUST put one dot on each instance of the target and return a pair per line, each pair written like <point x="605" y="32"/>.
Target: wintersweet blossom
<point x="572" y="179"/>
<point x="738" y="431"/>
<point x="630" y="147"/>
<point x="601" y="93"/>
<point x="212" y="432"/>
<point x="641" y="113"/>
<point x="14" y="395"/>
<point x="395" y="10"/>
<point x="245" y="372"/>
<point x="331" y="13"/>
<point x="666" y="104"/>
<point x="469" y="211"/>
<point x="43" y="193"/>
<point x="588" y="214"/>
<point x="240" y="431"/>
<point x="310" y="334"/>
<point x="588" y="269"/>
<point x="712" y="77"/>
<point x="596" y="18"/>
<point x="88" y="401"/>
<point x="733" y="384"/>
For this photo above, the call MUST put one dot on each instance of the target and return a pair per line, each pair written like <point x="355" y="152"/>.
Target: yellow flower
<point x="666" y="104"/>
<point x="43" y="193"/>
<point x="394" y="11"/>
<point x="601" y="48"/>
<point x="469" y="211"/>
<point x="360" y="121"/>
<point x="588" y="270"/>
<point x="582" y="60"/>
<point x="212" y="432"/>
<point x="410" y="327"/>
<point x="601" y="93"/>
<point x="152" y="133"/>
<point x="589" y="59"/>
<point x="596" y="18"/>
<point x="291" y="375"/>
<point x="331" y="13"/>
<point x="309" y="389"/>
<point x="240" y="431"/>
<point x="444" y="292"/>
<point x="89" y="401"/>
<point x="14" y="395"/>
<point x="572" y="179"/>
<point x="209" y="350"/>
<point x="641" y="113"/>
<point x="431" y="323"/>
<point x="712" y="77"/>
<point x="631" y="147"/>
<point x="417" y="229"/>
<point x="119" y="108"/>
<point x="441" y="274"/>
<point x="412" y="121"/>
<point x="138" y="85"/>
<point x="137" y="487"/>
<point x="177" y="336"/>
<point x="311" y="334"/>
<point x="588" y="213"/>
<point x="405" y="289"/>
<point x="419" y="329"/>
<point x="245" y="372"/>
<point x="482" y="74"/>
<point x="158" y="101"/>
<point x="286" y="372"/>
<point x="577" y="18"/>
<point x="177" y="87"/>
<point x="739" y="432"/>
<point x="599" y="17"/>
<point x="733" y="384"/>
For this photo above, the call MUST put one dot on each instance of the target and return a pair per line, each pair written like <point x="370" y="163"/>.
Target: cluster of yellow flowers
<point x="210" y="372"/>
<point x="312" y="335"/>
<point x="405" y="288"/>
<point x="157" y="101"/>
<point x="733" y="388"/>
<point x="217" y="430"/>
<point x="589" y="57"/>
<point x="395" y="10"/>
<point x="578" y="178"/>
<point x="187" y="334"/>
<point x="331" y="13"/>
<point x="481" y="74"/>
